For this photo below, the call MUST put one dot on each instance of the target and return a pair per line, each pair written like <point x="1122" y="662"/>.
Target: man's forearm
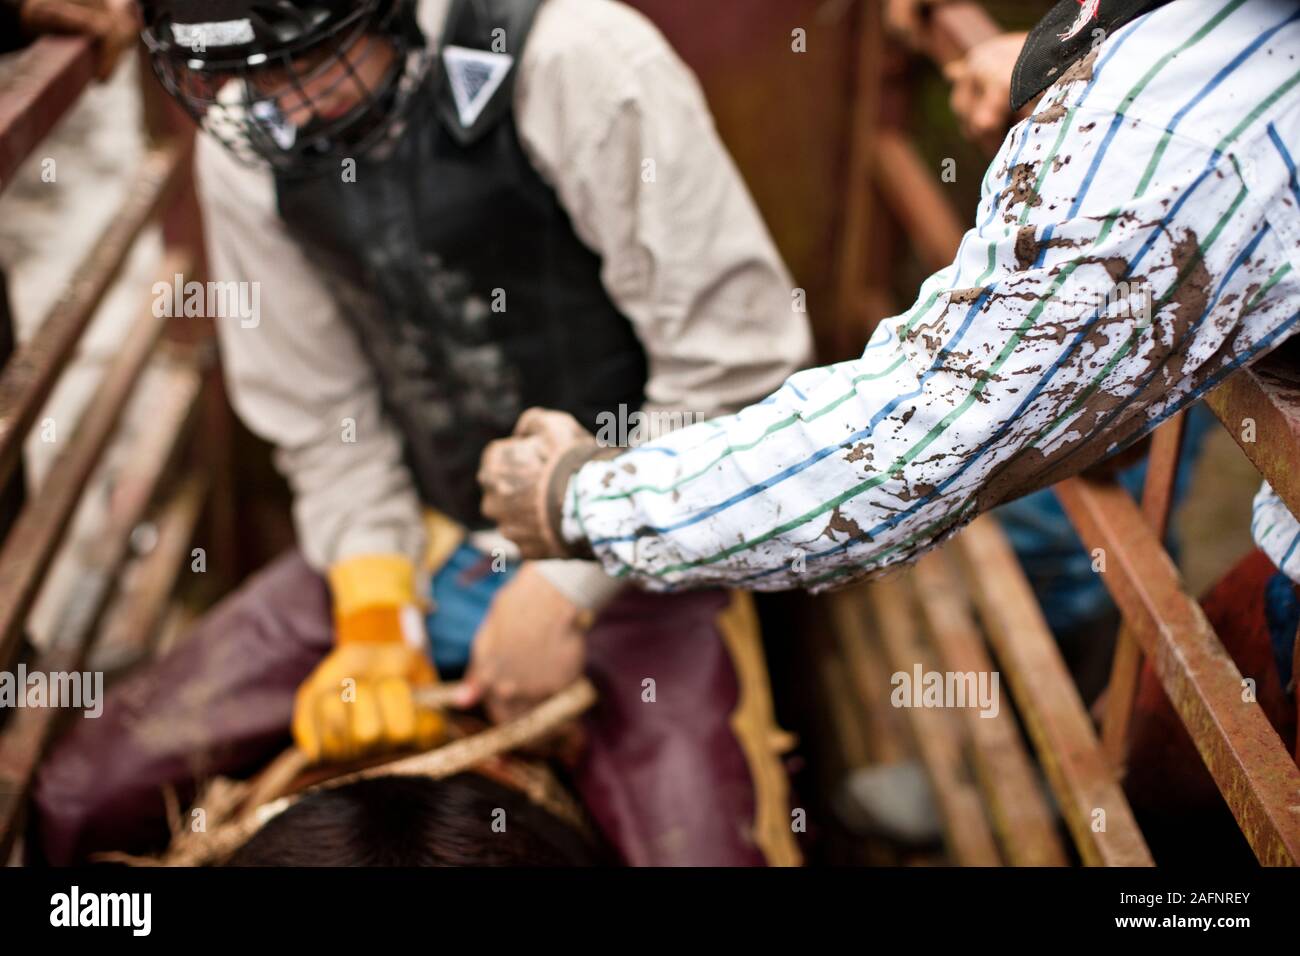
<point x="1115" y="273"/>
<point x="1040" y="350"/>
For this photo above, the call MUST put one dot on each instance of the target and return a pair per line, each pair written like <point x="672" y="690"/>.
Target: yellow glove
<point x="361" y="697"/>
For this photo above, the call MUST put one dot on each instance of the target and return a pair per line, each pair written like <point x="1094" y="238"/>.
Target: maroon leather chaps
<point x="666" y="781"/>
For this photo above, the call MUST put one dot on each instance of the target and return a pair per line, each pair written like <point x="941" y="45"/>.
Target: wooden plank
<point x="843" y="708"/>
<point x="1022" y="819"/>
<point x="934" y="732"/>
<point x="13" y="491"/>
<point x="857" y="235"/>
<point x="917" y="202"/>
<point x="1253" y="770"/>
<point x="868" y="676"/>
<point x="1055" y="719"/>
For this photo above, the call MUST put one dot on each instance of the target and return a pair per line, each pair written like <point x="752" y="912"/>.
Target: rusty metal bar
<point x="31" y="545"/>
<point x="29" y="730"/>
<point x="40" y="87"/>
<point x="916" y="200"/>
<point x="30" y="376"/>
<point x="182" y="226"/>
<point x="1024" y="823"/>
<point x="132" y="624"/>
<point x="13" y="491"/>
<point x="1251" y="767"/>
<point x="856" y="233"/>
<point x="966" y="829"/>
<point x="843" y="707"/>
<point x="952" y="29"/>
<point x="1260" y="408"/>
<point x="1126" y="665"/>
<point x="1162" y="474"/>
<point x="1057" y="722"/>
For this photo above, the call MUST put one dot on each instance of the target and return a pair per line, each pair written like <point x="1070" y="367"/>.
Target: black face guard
<point x="243" y="100"/>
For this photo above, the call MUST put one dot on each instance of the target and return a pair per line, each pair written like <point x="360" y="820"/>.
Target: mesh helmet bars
<point x="294" y="85"/>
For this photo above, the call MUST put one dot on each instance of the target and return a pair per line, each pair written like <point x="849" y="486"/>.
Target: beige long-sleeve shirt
<point x="618" y="126"/>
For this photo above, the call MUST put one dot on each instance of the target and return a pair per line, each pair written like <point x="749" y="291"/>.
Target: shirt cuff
<point x="585" y="583"/>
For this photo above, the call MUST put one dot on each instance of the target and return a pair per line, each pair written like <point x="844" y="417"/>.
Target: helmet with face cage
<point x="264" y="76"/>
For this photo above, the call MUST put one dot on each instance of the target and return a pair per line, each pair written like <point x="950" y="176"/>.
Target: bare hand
<point x="981" y="87"/>
<point x="516" y="472"/>
<point x="530" y="646"/>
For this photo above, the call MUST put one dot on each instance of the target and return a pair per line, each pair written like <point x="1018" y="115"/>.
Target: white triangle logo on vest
<point x="474" y="75"/>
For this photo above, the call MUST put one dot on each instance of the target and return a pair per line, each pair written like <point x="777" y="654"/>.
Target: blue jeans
<point x="462" y="591"/>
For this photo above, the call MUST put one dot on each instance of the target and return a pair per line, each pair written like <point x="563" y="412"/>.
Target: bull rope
<point x="265" y="796"/>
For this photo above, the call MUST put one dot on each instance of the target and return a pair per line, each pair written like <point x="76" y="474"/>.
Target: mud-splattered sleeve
<point x="1113" y="275"/>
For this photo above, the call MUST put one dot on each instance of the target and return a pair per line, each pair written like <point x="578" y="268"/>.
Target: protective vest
<point x="460" y="270"/>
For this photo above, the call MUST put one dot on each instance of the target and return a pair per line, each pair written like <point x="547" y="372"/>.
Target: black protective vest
<point x="462" y="275"/>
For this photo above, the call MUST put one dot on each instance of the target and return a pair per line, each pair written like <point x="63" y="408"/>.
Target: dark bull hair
<point x="415" y="821"/>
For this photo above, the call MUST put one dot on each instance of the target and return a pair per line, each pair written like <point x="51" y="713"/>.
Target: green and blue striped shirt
<point x="1136" y="242"/>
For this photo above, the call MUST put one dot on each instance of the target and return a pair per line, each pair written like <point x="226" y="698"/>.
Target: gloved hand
<point x="361" y="696"/>
<point x="524" y="479"/>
